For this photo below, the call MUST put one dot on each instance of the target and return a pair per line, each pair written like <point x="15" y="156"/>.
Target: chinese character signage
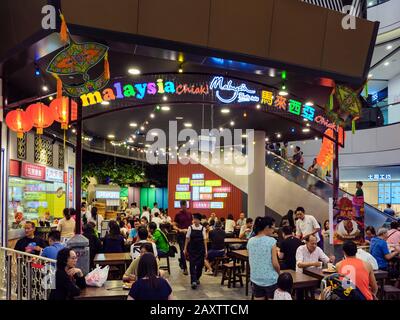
<point x="182" y="187"/>
<point x="33" y="171"/>
<point x="105" y="194"/>
<point x="198" y="176"/>
<point x="54" y="175"/>
<point x="197" y="183"/>
<point x="379" y="177"/>
<point x="184" y="180"/>
<point x="71" y="187"/>
<point x="213" y="183"/>
<point x="182" y="195"/>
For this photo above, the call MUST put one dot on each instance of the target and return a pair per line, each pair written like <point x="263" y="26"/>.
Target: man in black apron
<point x="196" y="249"/>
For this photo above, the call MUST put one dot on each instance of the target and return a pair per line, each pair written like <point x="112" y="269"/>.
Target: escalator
<point x="321" y="188"/>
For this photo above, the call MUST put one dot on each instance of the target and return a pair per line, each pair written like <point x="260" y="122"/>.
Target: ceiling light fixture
<point x="134" y="71"/>
<point x="179" y="118"/>
<point x="232" y="123"/>
<point x="187" y="124"/>
<point x="309" y="103"/>
<point x="165" y="98"/>
<point x="45" y="88"/>
<point x="105" y="103"/>
<point x="152" y="115"/>
<point x="142" y="128"/>
<point x="389" y="47"/>
<point x="278" y="135"/>
<point x="133" y="124"/>
<point x="258" y="106"/>
<point x="51" y="98"/>
<point x="225" y="110"/>
<point x="305" y="130"/>
<point x="386" y="63"/>
<point x="111" y="136"/>
<point x="370" y="75"/>
<point x="165" y="108"/>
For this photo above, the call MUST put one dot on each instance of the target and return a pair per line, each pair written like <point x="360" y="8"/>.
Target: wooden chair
<point x="218" y="262"/>
<point x="165" y="267"/>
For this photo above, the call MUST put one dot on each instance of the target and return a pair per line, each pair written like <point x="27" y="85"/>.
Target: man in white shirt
<point x="154" y="210"/>
<point x="241" y="221"/>
<point x="310" y="255"/>
<point x="367" y="257"/>
<point x="306" y="225"/>
<point x="143" y="235"/>
<point x="135" y="211"/>
<point x="157" y="220"/>
<point x="145" y="213"/>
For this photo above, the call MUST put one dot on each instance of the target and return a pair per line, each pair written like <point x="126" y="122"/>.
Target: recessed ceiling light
<point x="266" y="139"/>
<point x="389" y="47"/>
<point x="283" y="93"/>
<point x="308" y="125"/>
<point x="133" y="124"/>
<point x="187" y="124"/>
<point x="272" y="73"/>
<point x="179" y="118"/>
<point x="316" y="138"/>
<point x="45" y="88"/>
<point x="154" y="134"/>
<point x="309" y="103"/>
<point x="146" y="122"/>
<point x="152" y="115"/>
<point x="73" y="130"/>
<point x="370" y="75"/>
<point x="111" y="136"/>
<point x="165" y="108"/>
<point x="105" y="103"/>
<point x="305" y="130"/>
<point x="278" y="135"/>
<point x="134" y="136"/>
<point x="232" y="123"/>
<point x="221" y="129"/>
<point x="225" y="110"/>
<point x="258" y="106"/>
<point x="244" y="135"/>
<point x="134" y="71"/>
<point x="165" y="98"/>
<point x="147" y="145"/>
<point x="142" y="128"/>
<point x="258" y="72"/>
<point x="386" y="63"/>
<point x="51" y="98"/>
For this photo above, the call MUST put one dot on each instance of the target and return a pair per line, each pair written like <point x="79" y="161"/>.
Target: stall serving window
<point x="40" y="200"/>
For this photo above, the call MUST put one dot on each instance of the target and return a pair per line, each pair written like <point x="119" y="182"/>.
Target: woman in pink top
<point x="359" y="272"/>
<point x="394" y="233"/>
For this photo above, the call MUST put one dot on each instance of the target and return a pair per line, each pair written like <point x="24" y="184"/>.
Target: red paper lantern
<point x="41" y="116"/>
<point x="59" y="107"/>
<point x="19" y="121"/>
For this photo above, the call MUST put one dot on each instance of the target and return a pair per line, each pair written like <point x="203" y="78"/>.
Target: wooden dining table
<point x="111" y="290"/>
<point x="112" y="259"/>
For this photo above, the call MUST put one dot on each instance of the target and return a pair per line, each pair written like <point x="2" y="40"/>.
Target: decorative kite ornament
<point x="41" y="116"/>
<point x="326" y="153"/>
<point x="19" y="121"/>
<point x="78" y="59"/>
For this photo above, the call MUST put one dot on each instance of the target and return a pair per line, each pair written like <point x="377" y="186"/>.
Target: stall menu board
<point x="182" y="195"/>
<point x="213" y="183"/>
<point x="197" y="183"/>
<point x="205" y="189"/>
<point x="102" y="194"/>
<point x="395" y="194"/>
<point x="182" y="187"/>
<point x="196" y="193"/>
<point x="201" y="205"/>
<point x="221" y="195"/>
<point x="198" y="176"/>
<point x="217" y="205"/>
<point x="206" y="196"/>
<point x="384" y="193"/>
<point x="222" y="189"/>
<point x="184" y="180"/>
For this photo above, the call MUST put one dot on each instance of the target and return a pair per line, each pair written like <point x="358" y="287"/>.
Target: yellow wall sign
<point x="184" y="180"/>
<point x="182" y="195"/>
<point x="213" y="183"/>
<point x="197" y="183"/>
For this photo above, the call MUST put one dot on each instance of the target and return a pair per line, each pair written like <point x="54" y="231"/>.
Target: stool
<point x="218" y="262"/>
<point x="391" y="292"/>
<point x="231" y="273"/>
<point x="168" y="266"/>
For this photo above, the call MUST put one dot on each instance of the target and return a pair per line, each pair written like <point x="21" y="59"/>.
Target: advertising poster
<point x="71" y="187"/>
<point x="348" y="220"/>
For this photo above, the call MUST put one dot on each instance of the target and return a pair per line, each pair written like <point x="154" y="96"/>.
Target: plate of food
<point x="127" y="285"/>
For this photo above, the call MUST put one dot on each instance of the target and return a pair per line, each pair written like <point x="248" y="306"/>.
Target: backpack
<point x="340" y="287"/>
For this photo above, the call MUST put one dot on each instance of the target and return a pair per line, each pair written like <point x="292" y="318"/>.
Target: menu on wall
<point x="395" y="193"/>
<point x="384" y="193"/>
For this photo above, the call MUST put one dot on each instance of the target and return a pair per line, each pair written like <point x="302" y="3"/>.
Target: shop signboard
<point x="201" y="205"/>
<point x="222" y="189"/>
<point x="54" y="175"/>
<point x="198" y="176"/>
<point x="182" y="187"/>
<point x="197" y="183"/>
<point x="182" y="195"/>
<point x="71" y="187"/>
<point x="107" y="194"/>
<point x="213" y="183"/>
<point x="205" y="189"/>
<point x="206" y="196"/>
<point x="217" y="205"/>
<point x="33" y="171"/>
<point x="221" y="195"/>
<point x="184" y="180"/>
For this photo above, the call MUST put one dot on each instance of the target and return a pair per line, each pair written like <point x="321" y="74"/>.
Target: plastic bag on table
<point x="97" y="277"/>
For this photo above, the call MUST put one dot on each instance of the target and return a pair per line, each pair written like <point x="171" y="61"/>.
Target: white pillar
<point x="256" y="178"/>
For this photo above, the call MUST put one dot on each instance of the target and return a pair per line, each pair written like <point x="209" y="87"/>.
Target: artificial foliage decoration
<point x="19" y="121"/>
<point x="41" y="116"/>
<point x="77" y="59"/>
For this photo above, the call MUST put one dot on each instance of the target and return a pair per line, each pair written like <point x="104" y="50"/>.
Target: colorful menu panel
<point x="197" y="183"/>
<point x="201" y="205"/>
<point x="205" y="196"/>
<point x="213" y="183"/>
<point x="205" y="189"/>
<point x="217" y="205"/>
<point x="104" y="194"/>
<point x="196" y="193"/>
<point x="198" y="176"/>
<point x="384" y="193"/>
<point x="395" y="194"/>
<point x="221" y="195"/>
<point x="184" y="180"/>
<point x="182" y="195"/>
<point x="222" y="189"/>
<point x="177" y="204"/>
<point x="182" y="187"/>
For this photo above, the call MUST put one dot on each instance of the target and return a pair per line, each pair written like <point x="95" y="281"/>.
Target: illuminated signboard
<point x="177" y="204"/>
<point x="220" y="195"/>
<point x="198" y="176"/>
<point x="206" y="196"/>
<point x="217" y="205"/>
<point x="54" y="175"/>
<point x="103" y="194"/>
<point x="182" y="187"/>
<point x="196" y="193"/>
<point x="226" y="92"/>
<point x="379" y="177"/>
<point x="197" y="183"/>
<point x="222" y="189"/>
<point x="205" y="189"/>
<point x="213" y="183"/>
<point x="201" y="205"/>
<point x="182" y="195"/>
<point x="184" y="180"/>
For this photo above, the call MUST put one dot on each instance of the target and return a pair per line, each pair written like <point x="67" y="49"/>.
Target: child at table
<point x="285" y="286"/>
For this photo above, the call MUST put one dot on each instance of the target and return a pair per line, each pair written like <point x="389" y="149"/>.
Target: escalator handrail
<point x="328" y="183"/>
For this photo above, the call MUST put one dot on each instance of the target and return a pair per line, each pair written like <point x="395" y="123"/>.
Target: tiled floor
<point x="209" y="289"/>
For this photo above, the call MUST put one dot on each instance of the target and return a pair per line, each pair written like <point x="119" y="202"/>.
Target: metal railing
<point x="359" y="7"/>
<point x="25" y="276"/>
